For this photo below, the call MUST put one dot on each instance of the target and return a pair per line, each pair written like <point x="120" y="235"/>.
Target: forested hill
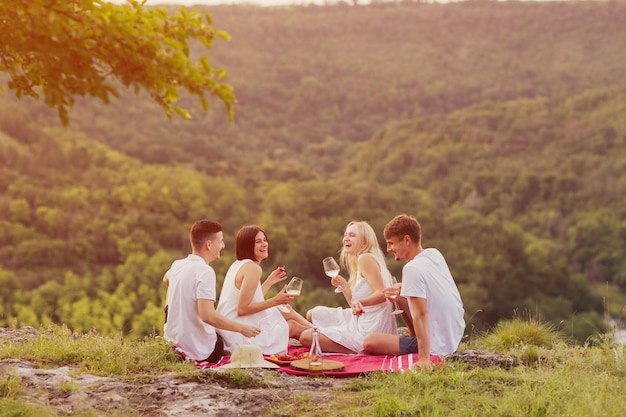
<point x="540" y="182"/>
<point x="310" y="80"/>
<point x="501" y="126"/>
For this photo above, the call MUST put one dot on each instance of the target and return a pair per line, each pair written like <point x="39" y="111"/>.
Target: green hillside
<point x="544" y="176"/>
<point x="501" y="126"/>
<point x="310" y="80"/>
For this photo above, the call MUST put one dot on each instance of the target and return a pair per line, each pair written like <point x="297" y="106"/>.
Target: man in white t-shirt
<point x="432" y="296"/>
<point x="191" y="318"/>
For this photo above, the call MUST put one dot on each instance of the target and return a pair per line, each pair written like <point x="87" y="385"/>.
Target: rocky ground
<point x="67" y="390"/>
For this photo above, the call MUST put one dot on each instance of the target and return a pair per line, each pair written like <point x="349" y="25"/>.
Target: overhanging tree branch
<point x="64" y="49"/>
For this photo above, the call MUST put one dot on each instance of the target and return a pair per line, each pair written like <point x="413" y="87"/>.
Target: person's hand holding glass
<point x="293" y="289"/>
<point x="392" y="293"/>
<point x="331" y="268"/>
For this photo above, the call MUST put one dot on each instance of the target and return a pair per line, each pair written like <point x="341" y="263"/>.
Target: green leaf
<point x="224" y="35"/>
<point x="182" y="112"/>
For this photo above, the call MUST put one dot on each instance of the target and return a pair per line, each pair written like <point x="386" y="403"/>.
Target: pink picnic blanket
<point x="353" y="364"/>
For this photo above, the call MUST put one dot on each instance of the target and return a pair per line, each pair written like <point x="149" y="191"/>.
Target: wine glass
<point x="293" y="288"/>
<point x="331" y="268"/>
<point x="392" y="294"/>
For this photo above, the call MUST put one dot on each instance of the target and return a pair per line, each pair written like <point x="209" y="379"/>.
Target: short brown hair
<point x="403" y="225"/>
<point x="201" y="231"/>
<point x="244" y="242"/>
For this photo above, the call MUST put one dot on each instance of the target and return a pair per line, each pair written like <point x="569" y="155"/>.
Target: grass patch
<point x="333" y="404"/>
<point x="553" y="378"/>
<point x="563" y="380"/>
<point x="97" y="354"/>
<point x="11" y="388"/>
<point x="15" y="408"/>
<point x="519" y="333"/>
<point x="576" y="389"/>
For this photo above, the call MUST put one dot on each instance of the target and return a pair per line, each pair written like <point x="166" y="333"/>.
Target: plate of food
<point x="286" y="358"/>
<point x="327" y="365"/>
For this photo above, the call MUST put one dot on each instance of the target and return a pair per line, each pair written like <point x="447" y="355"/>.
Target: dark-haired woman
<point x="243" y="297"/>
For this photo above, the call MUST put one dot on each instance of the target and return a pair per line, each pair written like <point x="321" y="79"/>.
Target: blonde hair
<point x="366" y="242"/>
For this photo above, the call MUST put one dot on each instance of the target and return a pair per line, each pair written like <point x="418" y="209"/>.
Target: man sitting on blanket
<point x="191" y="317"/>
<point x="431" y="294"/>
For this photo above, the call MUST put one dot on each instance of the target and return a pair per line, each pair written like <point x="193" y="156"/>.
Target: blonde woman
<point x="342" y="330"/>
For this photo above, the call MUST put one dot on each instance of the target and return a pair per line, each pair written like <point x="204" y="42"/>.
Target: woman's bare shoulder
<point x="367" y="258"/>
<point x="250" y="268"/>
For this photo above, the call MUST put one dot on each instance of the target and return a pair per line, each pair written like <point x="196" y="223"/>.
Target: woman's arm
<point x="370" y="271"/>
<point x="341" y="282"/>
<point x="250" y="277"/>
<point x="277" y="275"/>
<point x="347" y="292"/>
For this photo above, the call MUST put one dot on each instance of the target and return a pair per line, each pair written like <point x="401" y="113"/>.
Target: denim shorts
<point x="408" y="344"/>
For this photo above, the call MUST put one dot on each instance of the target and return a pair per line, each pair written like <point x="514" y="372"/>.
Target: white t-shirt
<point x="428" y="276"/>
<point x="190" y="279"/>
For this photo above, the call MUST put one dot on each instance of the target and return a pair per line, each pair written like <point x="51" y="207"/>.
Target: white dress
<point x="274" y="336"/>
<point x="343" y="327"/>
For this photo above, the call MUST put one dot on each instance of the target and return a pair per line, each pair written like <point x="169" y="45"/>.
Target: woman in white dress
<point x="243" y="297"/>
<point x="342" y="330"/>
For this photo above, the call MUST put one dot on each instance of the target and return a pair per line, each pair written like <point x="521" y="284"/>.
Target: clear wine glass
<point x="392" y="294"/>
<point x="331" y="268"/>
<point x="293" y="288"/>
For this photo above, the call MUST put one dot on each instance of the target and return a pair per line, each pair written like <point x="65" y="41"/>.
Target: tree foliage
<point x="63" y="49"/>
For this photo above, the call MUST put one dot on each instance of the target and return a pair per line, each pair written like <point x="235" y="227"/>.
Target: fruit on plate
<point x="286" y="357"/>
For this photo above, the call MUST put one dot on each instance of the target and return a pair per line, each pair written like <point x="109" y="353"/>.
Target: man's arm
<point x="206" y="310"/>
<point x="422" y="331"/>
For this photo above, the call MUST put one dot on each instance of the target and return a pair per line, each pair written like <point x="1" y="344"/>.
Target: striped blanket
<point x="353" y="364"/>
